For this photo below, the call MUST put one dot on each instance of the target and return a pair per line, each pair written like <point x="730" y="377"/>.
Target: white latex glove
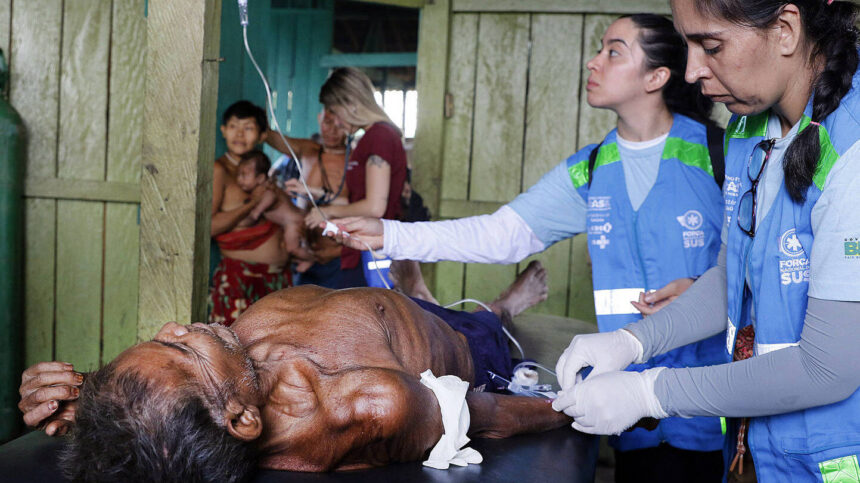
<point x="605" y="352"/>
<point x="612" y="402"/>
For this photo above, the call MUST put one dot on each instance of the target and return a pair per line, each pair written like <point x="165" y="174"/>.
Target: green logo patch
<point x="852" y="247"/>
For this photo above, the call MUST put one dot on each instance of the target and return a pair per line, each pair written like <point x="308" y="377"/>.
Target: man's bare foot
<point x="528" y="290"/>
<point x="407" y="278"/>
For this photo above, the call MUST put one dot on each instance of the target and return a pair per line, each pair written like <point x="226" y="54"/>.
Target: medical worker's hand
<point x="651" y="303"/>
<point x="314" y="218"/>
<point x="605" y="352"/>
<point x="49" y="393"/>
<point x="611" y="402"/>
<point x="361" y="229"/>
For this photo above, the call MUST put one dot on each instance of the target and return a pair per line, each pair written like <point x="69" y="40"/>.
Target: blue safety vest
<point x="675" y="233"/>
<point x="821" y="443"/>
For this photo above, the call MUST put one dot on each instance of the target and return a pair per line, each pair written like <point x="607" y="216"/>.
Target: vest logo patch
<point x="599" y="203"/>
<point x="852" y="248"/>
<point x="601" y="242"/>
<point x="790" y="245"/>
<point x="600" y="229"/>
<point x="692" y="221"/>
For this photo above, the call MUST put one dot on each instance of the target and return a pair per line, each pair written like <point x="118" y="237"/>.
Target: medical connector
<point x="243" y="12"/>
<point x="541" y="390"/>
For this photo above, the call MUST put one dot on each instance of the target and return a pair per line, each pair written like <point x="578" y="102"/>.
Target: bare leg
<point x="407" y="278"/>
<point x="528" y="290"/>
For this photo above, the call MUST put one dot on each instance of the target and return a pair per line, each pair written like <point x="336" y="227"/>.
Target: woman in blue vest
<point x="650" y="206"/>
<point x="786" y="293"/>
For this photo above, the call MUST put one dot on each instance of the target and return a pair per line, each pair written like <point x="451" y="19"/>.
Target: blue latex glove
<point x="611" y="402"/>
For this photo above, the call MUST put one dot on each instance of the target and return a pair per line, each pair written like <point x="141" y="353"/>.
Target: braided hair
<point x="832" y="37"/>
<point x="664" y="47"/>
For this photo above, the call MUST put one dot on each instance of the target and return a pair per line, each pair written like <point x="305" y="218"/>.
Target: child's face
<point x="247" y="177"/>
<point x="241" y="135"/>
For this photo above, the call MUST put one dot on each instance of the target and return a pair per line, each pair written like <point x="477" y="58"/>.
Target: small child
<point x="251" y="175"/>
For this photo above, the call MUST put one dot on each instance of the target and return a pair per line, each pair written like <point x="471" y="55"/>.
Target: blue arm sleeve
<point x="552" y="208"/>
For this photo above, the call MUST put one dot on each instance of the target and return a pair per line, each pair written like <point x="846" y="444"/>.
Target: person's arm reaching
<point x="823" y="368"/>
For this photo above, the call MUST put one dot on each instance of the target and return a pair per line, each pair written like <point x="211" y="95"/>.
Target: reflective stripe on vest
<point x="616" y="301"/>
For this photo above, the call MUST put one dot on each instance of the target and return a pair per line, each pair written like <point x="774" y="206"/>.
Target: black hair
<point x="260" y="160"/>
<point x="126" y="429"/>
<point x="832" y="37"/>
<point x="246" y="110"/>
<point x="665" y="47"/>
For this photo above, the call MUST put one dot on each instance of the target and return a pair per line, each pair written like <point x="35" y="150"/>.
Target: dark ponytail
<point x="832" y="38"/>
<point x="664" y="47"/>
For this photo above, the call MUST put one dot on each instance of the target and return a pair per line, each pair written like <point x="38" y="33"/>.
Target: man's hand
<point x="612" y="402"/>
<point x="361" y="229"/>
<point x="295" y="187"/>
<point x="651" y="303"/>
<point x="314" y="219"/>
<point x="45" y="388"/>
<point x="609" y="351"/>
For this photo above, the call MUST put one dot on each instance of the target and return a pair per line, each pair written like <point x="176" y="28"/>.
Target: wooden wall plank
<point x="457" y="151"/>
<point x="5" y="26"/>
<point x="449" y="282"/>
<point x="82" y="156"/>
<point x="433" y="38"/>
<point x="89" y="190"/>
<point x="178" y="148"/>
<point x="79" y="280"/>
<point x="503" y="51"/>
<point x="563" y="6"/>
<point x="40" y="219"/>
<point x="580" y="303"/>
<point x="34" y="89"/>
<point x="553" y="101"/>
<point x="125" y="144"/>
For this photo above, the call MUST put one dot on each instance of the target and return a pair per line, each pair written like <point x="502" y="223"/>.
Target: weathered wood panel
<point x="178" y="148"/>
<point x="433" y="38"/>
<point x="34" y="91"/>
<point x="449" y="282"/>
<point x="462" y="64"/>
<point x="35" y="87"/>
<point x="553" y="101"/>
<point x="88" y="190"/>
<point x="39" y="240"/>
<point x="81" y="156"/>
<point x="79" y="280"/>
<point x="563" y="6"/>
<point x="5" y="26"/>
<point x="500" y="95"/>
<point x="125" y="144"/>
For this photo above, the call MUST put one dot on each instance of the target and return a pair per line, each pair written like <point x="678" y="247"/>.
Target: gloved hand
<point x="612" y="402"/>
<point x="605" y="352"/>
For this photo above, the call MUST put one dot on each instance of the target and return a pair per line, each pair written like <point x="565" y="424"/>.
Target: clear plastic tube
<point x="487" y="308"/>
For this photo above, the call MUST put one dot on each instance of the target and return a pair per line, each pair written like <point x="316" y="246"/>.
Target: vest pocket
<point x="832" y="460"/>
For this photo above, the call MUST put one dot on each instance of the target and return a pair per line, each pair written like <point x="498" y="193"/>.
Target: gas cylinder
<point x="11" y="259"/>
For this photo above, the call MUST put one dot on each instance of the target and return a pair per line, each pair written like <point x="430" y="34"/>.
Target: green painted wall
<point x="288" y="44"/>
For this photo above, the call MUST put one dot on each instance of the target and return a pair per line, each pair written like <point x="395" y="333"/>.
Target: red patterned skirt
<point x="237" y="284"/>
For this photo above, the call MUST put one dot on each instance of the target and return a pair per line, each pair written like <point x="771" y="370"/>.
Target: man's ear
<point x="657" y="79"/>
<point x="245" y="425"/>
<point x="223" y="131"/>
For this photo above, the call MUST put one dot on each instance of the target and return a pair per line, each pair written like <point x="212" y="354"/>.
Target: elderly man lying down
<point x="307" y="379"/>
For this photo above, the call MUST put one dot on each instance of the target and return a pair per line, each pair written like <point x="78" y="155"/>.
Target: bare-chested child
<point x="307" y="379"/>
<point x="252" y="174"/>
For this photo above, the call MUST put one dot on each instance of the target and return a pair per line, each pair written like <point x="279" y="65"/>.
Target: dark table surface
<point x="559" y="455"/>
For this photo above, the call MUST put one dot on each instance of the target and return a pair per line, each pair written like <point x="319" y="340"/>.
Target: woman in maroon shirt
<point x="377" y="166"/>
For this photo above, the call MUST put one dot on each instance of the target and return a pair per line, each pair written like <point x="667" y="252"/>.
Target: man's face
<point x="241" y="135"/>
<point x="206" y="356"/>
<point x="736" y="65"/>
<point x="247" y="177"/>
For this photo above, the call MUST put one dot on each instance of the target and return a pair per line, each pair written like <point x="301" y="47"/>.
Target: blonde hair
<point x="352" y="90"/>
